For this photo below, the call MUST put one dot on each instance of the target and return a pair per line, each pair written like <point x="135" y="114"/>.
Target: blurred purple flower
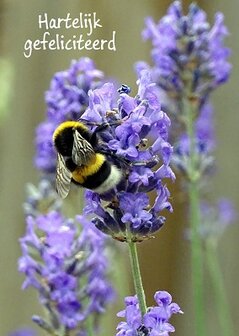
<point x="23" y="332"/>
<point x="41" y="199"/>
<point x="204" y="128"/>
<point x="204" y="143"/>
<point x="66" y="99"/>
<point x="216" y="218"/>
<point x="189" y="62"/>
<point x="185" y="47"/>
<point x="45" y="159"/>
<point x="155" y="321"/>
<point x="65" y="267"/>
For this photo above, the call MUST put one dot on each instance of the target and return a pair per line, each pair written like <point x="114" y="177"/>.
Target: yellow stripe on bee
<point x="68" y="124"/>
<point x="81" y="173"/>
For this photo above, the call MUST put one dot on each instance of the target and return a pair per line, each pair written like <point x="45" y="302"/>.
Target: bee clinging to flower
<point x="81" y="161"/>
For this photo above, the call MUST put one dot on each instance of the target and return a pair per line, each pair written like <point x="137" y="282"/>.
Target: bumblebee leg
<point x="94" y="135"/>
<point x="150" y="163"/>
<point x="100" y="128"/>
<point x="117" y="157"/>
<point x="114" y="204"/>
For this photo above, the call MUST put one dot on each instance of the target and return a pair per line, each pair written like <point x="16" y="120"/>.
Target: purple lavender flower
<point x="66" y="99"/>
<point x="133" y="317"/>
<point x="187" y="51"/>
<point x="132" y="123"/>
<point x="68" y="269"/>
<point x="155" y="321"/>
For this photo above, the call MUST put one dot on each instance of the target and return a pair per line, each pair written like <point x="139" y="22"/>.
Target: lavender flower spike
<point x="155" y="321"/>
<point x="66" y="99"/>
<point x="186" y="48"/>
<point x="189" y="62"/>
<point x="65" y="267"/>
<point x="132" y="123"/>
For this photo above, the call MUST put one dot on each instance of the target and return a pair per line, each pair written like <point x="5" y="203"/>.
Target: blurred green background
<point x="23" y="81"/>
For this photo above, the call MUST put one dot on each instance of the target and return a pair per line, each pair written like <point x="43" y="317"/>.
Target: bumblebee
<point x="81" y="161"/>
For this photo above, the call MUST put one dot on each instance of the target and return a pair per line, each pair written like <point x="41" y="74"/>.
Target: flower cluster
<point x="188" y="52"/>
<point x="154" y="322"/>
<point x="190" y="61"/>
<point x="66" y="99"/>
<point x="67" y="267"/>
<point x="132" y="123"/>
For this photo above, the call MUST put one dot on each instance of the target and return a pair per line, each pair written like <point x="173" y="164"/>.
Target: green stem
<point x="196" y="260"/>
<point x="225" y="319"/>
<point x="67" y="332"/>
<point x="137" y="277"/>
<point x="194" y="203"/>
<point x="89" y="326"/>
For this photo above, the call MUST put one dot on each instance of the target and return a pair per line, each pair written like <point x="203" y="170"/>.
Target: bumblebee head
<point x="63" y="137"/>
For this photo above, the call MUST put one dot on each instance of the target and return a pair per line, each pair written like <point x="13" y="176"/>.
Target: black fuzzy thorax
<point x="64" y="139"/>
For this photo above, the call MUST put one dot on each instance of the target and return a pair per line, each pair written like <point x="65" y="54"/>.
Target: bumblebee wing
<point x="82" y="150"/>
<point x="63" y="177"/>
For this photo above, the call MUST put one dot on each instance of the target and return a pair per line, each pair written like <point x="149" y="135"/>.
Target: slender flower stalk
<point x="138" y="284"/>
<point x="194" y="205"/>
<point x="215" y="220"/>
<point x="220" y="295"/>
<point x="197" y="258"/>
